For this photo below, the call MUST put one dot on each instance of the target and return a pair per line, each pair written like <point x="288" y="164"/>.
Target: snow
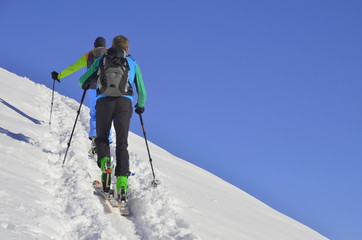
<point x="40" y="199"/>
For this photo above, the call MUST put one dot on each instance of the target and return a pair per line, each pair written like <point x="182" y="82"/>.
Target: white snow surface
<point x="40" y="199"/>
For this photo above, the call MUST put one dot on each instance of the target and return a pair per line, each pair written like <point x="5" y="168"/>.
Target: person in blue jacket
<point x="118" y="110"/>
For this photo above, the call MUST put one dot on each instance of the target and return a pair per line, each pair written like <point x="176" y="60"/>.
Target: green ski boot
<point x="122" y="188"/>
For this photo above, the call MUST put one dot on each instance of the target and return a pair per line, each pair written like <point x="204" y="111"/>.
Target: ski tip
<point x="96" y="182"/>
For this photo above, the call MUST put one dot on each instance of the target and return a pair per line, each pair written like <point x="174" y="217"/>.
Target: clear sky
<point x="264" y="94"/>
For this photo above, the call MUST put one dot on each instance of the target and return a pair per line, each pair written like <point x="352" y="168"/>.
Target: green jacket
<point x="84" y="61"/>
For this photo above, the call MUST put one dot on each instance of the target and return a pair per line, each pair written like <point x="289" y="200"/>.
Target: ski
<point x="109" y="196"/>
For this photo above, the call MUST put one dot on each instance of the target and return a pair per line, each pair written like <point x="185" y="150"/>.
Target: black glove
<point x="139" y="110"/>
<point x="55" y="76"/>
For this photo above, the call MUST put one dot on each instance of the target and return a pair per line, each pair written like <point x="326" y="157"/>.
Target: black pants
<point x="118" y="110"/>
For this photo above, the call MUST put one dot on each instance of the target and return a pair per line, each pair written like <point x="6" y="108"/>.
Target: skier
<point x="87" y="60"/>
<point x="117" y="109"/>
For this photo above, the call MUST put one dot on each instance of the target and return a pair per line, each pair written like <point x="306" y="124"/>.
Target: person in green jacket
<point x="86" y="60"/>
<point x="116" y="109"/>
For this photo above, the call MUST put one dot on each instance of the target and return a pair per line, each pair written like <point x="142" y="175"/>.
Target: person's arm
<point x="80" y="63"/>
<point x="89" y="74"/>
<point x="140" y="87"/>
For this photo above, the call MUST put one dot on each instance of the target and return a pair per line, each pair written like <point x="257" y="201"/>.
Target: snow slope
<point x="40" y="199"/>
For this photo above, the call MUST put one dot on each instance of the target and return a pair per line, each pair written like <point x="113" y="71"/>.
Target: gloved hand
<point x="139" y="110"/>
<point x="55" y="76"/>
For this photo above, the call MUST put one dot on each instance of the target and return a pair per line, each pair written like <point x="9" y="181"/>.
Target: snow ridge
<point x="41" y="199"/>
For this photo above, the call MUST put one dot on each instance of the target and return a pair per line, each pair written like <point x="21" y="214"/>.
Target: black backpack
<point x="113" y="74"/>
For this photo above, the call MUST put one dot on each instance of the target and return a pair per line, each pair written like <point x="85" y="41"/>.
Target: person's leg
<point x="105" y="109"/>
<point x="121" y="123"/>
<point x="92" y="94"/>
<point x="104" y="117"/>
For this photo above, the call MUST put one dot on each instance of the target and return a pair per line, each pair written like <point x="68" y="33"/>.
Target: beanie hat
<point x="100" y="42"/>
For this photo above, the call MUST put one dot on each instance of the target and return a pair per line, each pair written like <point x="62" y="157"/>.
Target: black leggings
<point x="118" y="110"/>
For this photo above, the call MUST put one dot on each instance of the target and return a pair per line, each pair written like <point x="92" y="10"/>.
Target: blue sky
<point x="264" y="94"/>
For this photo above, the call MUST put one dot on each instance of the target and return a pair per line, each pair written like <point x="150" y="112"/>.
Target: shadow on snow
<point x="20" y="112"/>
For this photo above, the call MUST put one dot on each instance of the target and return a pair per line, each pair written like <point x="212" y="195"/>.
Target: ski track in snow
<point x="75" y="193"/>
<point x="71" y="200"/>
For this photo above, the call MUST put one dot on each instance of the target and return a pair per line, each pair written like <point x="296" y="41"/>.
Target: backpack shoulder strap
<point x="101" y="65"/>
<point x="86" y="56"/>
<point x="90" y="58"/>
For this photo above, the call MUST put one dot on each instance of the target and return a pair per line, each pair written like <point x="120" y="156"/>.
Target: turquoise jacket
<point x="134" y="76"/>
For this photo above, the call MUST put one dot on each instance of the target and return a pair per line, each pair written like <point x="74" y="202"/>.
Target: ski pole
<point x="154" y="182"/>
<point x="75" y="123"/>
<point x="51" y="106"/>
